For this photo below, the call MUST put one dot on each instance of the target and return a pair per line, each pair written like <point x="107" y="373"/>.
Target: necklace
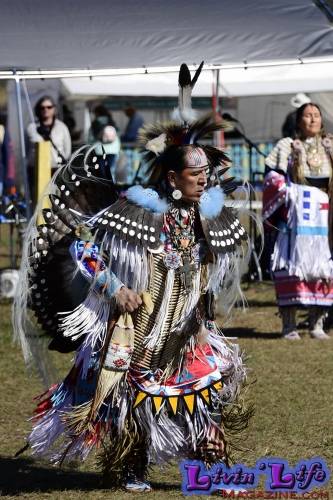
<point x="314" y="155"/>
<point x="180" y="223"/>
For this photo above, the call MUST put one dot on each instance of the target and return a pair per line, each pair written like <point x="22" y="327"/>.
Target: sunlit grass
<point x="292" y="395"/>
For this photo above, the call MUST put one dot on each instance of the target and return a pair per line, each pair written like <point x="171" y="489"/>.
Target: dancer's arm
<point x="105" y="282"/>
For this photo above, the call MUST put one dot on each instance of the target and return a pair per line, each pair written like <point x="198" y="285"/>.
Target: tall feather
<point x="197" y="74"/>
<point x="185" y="91"/>
<point x="184" y="112"/>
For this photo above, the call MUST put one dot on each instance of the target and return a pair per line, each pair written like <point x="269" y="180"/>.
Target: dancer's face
<point x="190" y="181"/>
<point x="311" y="122"/>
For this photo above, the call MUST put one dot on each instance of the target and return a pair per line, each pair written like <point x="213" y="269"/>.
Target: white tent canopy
<point x="233" y="82"/>
<point x="40" y="39"/>
<point x="84" y="36"/>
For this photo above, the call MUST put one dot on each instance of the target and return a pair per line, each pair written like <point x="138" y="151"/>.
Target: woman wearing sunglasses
<point x="48" y="128"/>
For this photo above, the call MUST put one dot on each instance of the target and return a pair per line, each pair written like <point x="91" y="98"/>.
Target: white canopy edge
<point x="90" y="73"/>
<point x="234" y="82"/>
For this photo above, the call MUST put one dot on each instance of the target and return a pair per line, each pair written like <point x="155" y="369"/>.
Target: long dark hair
<point x="299" y="115"/>
<point x="38" y="105"/>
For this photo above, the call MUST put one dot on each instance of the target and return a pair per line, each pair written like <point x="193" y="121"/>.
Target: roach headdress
<point x="183" y="133"/>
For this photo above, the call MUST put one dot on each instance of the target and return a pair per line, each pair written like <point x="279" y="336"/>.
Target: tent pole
<point x="23" y="159"/>
<point x="217" y="88"/>
<point x="218" y="136"/>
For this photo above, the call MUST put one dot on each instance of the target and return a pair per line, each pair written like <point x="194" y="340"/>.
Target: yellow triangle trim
<point x="218" y="386"/>
<point x="173" y="403"/>
<point x="139" y="398"/>
<point x="189" y="401"/>
<point x="157" y="402"/>
<point x="205" y="394"/>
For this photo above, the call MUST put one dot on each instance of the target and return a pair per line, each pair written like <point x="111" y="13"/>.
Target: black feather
<point x="184" y="78"/>
<point x="197" y="74"/>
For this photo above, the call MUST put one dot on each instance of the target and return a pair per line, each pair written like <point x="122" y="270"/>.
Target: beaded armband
<point x="86" y="254"/>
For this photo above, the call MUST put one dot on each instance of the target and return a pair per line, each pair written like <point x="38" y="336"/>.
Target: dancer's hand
<point x="127" y="300"/>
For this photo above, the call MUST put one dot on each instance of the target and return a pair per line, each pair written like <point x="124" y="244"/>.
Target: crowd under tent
<point x="40" y="40"/>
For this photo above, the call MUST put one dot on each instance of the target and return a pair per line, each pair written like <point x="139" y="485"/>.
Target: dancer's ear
<point x="171" y="176"/>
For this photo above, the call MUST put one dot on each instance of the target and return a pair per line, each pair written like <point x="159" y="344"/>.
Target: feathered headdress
<point x="183" y="130"/>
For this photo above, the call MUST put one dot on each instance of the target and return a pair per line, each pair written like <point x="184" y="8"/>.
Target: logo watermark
<point x="279" y="477"/>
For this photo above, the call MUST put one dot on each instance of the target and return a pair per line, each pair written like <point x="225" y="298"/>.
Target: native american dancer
<point x="298" y="203"/>
<point x="129" y="282"/>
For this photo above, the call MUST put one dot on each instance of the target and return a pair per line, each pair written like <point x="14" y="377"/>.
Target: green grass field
<point x="292" y="395"/>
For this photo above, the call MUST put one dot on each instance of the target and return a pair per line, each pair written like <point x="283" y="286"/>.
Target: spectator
<point x="289" y="125"/>
<point x="104" y="132"/>
<point x="135" y="122"/>
<point x="48" y="128"/>
<point x="297" y="201"/>
<point x="103" y="117"/>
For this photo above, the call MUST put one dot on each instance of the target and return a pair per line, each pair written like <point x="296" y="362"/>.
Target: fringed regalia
<point x="297" y="205"/>
<point x="160" y="383"/>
